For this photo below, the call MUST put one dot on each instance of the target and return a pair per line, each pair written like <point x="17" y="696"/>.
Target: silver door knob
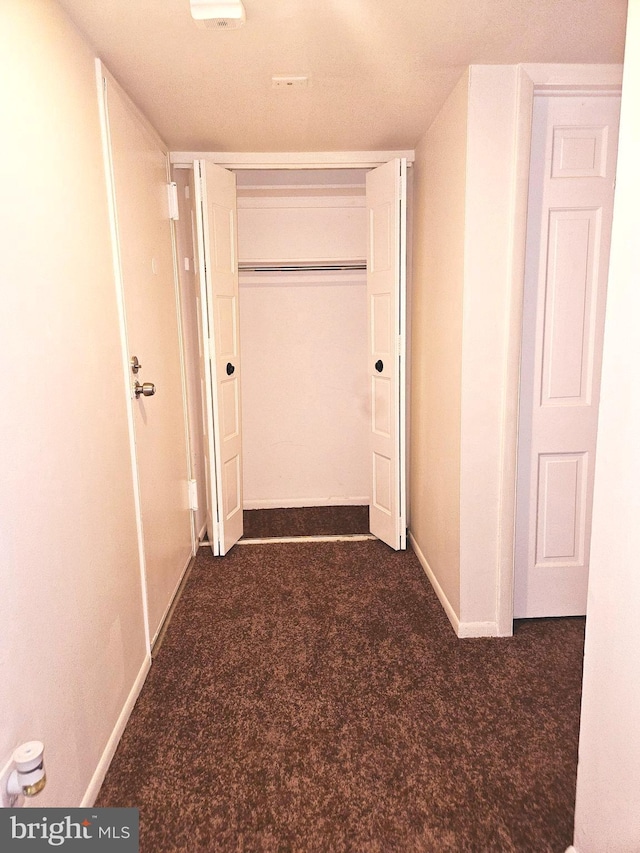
<point x="146" y="389"/>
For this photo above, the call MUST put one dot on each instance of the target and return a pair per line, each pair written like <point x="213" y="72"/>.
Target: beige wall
<point x="439" y="187"/>
<point x="608" y="790"/>
<point x="491" y="173"/>
<point x="72" y="637"/>
<point x="464" y="221"/>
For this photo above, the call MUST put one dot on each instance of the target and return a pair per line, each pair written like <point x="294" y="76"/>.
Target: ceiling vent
<point x="218" y="14"/>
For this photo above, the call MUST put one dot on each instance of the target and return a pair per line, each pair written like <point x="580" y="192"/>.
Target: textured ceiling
<point x="379" y="69"/>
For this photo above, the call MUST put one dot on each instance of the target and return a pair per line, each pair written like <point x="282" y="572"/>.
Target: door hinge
<point x="193" y="494"/>
<point x="172" y="195"/>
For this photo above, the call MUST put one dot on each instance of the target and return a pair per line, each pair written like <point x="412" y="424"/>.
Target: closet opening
<point x="296" y="345"/>
<point x="302" y="246"/>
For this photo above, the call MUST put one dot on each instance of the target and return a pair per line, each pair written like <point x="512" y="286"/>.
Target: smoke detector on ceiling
<point x="218" y="14"/>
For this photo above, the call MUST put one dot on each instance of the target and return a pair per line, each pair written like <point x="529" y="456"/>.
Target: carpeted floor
<point x="313" y="698"/>
<point x="305" y="521"/>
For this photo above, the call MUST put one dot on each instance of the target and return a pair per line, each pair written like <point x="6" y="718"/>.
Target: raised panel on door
<point x="217" y="238"/>
<point x="572" y="175"/>
<point x="386" y="285"/>
<point x="570" y="305"/>
<point x="561" y="509"/>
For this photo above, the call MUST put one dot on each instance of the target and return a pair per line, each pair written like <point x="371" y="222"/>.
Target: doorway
<point x="321" y="272"/>
<point x="302" y="245"/>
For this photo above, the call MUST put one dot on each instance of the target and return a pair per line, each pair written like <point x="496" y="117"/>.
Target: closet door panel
<point x="217" y="238"/>
<point x="386" y="298"/>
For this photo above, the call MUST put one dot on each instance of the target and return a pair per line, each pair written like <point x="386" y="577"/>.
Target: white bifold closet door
<point x="386" y="301"/>
<point x="573" y="163"/>
<point x="220" y="363"/>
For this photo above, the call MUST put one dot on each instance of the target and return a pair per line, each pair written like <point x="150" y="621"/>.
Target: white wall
<point x="281" y="229"/>
<point x="439" y="188"/>
<point x="72" y="637"/>
<point x="305" y="406"/>
<point x="608" y="788"/>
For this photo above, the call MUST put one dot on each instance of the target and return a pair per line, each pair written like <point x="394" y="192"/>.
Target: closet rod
<point x="300" y="267"/>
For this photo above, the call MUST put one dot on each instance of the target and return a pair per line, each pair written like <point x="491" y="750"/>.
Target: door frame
<point x="531" y="79"/>
<point x="368" y="160"/>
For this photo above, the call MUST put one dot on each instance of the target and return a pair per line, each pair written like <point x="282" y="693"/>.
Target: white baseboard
<point x="288" y="503"/>
<point x="477" y="629"/>
<point x="112" y="744"/>
<point x="444" y="601"/>
<point x="571" y="849"/>
<point x="464" y="630"/>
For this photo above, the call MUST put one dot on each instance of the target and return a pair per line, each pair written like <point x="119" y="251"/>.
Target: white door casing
<point x="386" y="307"/>
<point x="573" y="158"/>
<point x="218" y="270"/>
<point x="386" y="297"/>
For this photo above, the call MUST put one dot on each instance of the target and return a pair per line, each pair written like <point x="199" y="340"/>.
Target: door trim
<point x="291" y="160"/>
<point x="531" y="78"/>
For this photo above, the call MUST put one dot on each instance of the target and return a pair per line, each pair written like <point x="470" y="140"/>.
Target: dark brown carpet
<point x="305" y="521"/>
<point x="314" y="698"/>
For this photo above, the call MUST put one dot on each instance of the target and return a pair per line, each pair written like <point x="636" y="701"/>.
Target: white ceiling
<point x="379" y="69"/>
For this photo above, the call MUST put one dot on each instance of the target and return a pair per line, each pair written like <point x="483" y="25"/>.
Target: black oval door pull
<point x="379" y="366"/>
<point x="230" y="368"/>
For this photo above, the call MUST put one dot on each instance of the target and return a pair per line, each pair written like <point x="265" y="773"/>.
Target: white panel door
<point x="217" y="243"/>
<point x="573" y="159"/>
<point x="386" y="306"/>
